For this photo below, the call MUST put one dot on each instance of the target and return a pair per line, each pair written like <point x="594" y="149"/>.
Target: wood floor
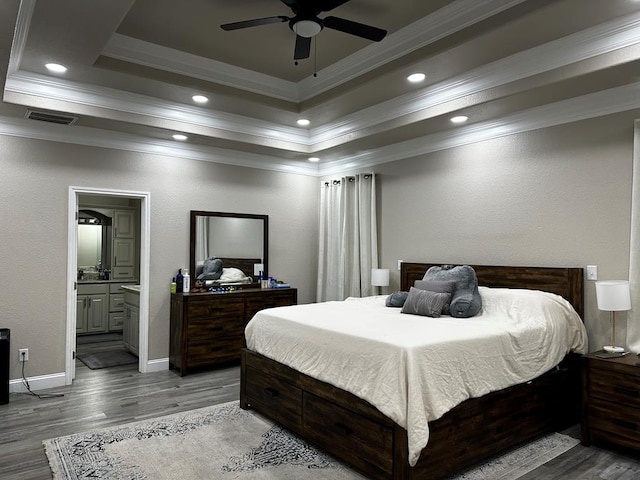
<point x="119" y="395"/>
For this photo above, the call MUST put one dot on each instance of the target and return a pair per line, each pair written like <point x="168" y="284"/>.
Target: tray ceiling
<point x="133" y="67"/>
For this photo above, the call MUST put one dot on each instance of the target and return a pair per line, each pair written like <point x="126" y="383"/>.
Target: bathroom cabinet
<point x="92" y="308"/>
<point x="207" y="329"/>
<point x="131" y="325"/>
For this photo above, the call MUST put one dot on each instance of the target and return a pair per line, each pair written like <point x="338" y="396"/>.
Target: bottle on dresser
<point x="179" y="281"/>
<point x="186" y="281"/>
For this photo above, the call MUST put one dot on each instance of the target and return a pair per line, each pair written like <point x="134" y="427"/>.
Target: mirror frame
<point x="201" y="213"/>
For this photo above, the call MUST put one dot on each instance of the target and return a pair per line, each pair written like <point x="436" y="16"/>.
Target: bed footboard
<point x="358" y="434"/>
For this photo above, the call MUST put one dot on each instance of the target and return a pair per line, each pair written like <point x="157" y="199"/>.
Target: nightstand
<point x="611" y="400"/>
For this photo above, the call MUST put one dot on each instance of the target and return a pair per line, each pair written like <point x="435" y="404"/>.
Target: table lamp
<point x="379" y="277"/>
<point x="614" y="296"/>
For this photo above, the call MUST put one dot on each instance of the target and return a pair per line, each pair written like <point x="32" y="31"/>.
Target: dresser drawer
<point x="281" y="400"/>
<point x="273" y="299"/>
<point x="616" y="422"/>
<point x="202" y="351"/>
<point x="614" y="386"/>
<point x="202" y="312"/>
<point x="365" y="443"/>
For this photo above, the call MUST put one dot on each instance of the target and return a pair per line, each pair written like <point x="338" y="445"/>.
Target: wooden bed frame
<point x="357" y="433"/>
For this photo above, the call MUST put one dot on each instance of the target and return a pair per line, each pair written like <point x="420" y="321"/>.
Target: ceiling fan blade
<point x="303" y="48"/>
<point x="254" y="23"/>
<point x="355" y="28"/>
<point x="326" y="5"/>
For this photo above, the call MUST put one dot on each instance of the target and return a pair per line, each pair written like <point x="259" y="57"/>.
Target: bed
<point x="361" y="435"/>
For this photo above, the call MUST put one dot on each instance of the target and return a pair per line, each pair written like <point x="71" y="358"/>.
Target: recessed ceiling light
<point x="459" y="119"/>
<point x="179" y="136"/>
<point x="303" y="122"/>
<point x="56" y="67"/>
<point x="416" y="77"/>
<point x="199" y="99"/>
<point x="314" y="159"/>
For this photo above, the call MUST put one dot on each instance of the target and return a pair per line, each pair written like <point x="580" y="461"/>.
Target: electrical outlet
<point x="24" y="354"/>
<point x="592" y="272"/>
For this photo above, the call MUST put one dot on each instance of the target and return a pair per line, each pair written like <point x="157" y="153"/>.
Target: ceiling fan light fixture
<point x="306" y="28"/>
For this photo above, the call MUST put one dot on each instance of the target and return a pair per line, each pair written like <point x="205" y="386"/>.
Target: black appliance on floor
<point x="5" y="342"/>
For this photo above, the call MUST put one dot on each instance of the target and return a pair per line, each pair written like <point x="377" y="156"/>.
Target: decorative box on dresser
<point x="207" y="329"/>
<point x="611" y="400"/>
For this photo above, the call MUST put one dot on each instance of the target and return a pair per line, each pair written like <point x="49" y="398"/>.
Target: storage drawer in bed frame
<point x="357" y="433"/>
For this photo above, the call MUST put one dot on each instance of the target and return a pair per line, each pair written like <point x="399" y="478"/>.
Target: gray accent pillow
<point x="424" y="302"/>
<point x="438" y="286"/>
<point x="465" y="301"/>
<point x="396" y="299"/>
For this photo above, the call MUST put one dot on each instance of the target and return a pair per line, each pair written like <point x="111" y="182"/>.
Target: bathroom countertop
<point x="132" y="288"/>
<point x="84" y="282"/>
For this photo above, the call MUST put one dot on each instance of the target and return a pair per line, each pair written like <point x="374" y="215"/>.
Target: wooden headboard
<point x="566" y="282"/>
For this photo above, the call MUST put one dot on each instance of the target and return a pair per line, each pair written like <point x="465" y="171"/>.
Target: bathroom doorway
<point x="141" y="202"/>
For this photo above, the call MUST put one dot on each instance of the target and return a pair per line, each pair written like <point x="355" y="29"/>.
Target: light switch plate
<point x="592" y="272"/>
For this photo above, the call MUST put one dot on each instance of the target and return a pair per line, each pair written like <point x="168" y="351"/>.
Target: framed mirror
<point x="241" y="240"/>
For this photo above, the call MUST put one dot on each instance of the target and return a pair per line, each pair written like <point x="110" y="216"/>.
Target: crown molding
<point x="593" y="105"/>
<point x="587" y="44"/>
<point x="186" y="118"/>
<point x="19" y="127"/>
<point x="607" y="102"/>
<point x="155" y="56"/>
<point x="425" y="31"/>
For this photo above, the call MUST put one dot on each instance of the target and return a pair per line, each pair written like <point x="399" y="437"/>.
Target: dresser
<point x="207" y="329"/>
<point x="611" y="400"/>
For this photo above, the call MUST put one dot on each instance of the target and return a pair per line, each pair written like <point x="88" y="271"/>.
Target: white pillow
<point x="232" y="275"/>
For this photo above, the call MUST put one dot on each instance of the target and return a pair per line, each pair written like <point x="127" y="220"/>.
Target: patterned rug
<point x="225" y="441"/>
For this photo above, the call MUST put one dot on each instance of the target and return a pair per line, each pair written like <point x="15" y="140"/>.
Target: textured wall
<point x="554" y="197"/>
<point x="34" y="185"/>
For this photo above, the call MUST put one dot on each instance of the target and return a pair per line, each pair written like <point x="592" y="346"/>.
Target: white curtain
<point x="348" y="238"/>
<point x="633" y="325"/>
<point x="202" y="239"/>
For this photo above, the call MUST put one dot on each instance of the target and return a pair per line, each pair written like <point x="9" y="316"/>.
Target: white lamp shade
<point x="613" y="295"/>
<point x="380" y="277"/>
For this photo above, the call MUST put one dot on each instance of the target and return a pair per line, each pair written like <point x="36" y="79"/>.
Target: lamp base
<point x="613" y="349"/>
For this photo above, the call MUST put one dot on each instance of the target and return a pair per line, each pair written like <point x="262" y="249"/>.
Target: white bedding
<point x="414" y="369"/>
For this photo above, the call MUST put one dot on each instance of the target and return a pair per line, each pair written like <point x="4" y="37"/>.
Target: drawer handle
<point x="632" y="392"/>
<point x="341" y="429"/>
<point x="271" y="392"/>
<point x="625" y="424"/>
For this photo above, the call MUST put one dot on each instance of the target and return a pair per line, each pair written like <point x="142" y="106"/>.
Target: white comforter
<point x="415" y="369"/>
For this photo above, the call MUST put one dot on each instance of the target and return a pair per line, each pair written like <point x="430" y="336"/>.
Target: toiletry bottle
<point x="186" y="281"/>
<point x="174" y="288"/>
<point x="179" y="281"/>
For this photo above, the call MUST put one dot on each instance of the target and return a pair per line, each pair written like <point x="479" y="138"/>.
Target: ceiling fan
<point x="306" y="24"/>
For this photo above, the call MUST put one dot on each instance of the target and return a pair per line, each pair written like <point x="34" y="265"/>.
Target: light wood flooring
<point x="119" y="395"/>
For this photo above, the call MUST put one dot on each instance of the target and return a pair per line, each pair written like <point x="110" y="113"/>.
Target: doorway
<point x="72" y="272"/>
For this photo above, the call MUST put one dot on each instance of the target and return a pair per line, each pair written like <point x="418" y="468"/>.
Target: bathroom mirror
<point x="242" y="237"/>
<point x="94" y="234"/>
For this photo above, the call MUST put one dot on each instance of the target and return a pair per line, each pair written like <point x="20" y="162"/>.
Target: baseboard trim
<point x="157" y="365"/>
<point x="40" y="382"/>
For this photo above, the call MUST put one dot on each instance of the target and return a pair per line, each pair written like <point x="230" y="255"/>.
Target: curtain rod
<point x="350" y="178"/>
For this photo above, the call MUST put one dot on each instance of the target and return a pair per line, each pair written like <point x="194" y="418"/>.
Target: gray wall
<point x="554" y="197"/>
<point x="34" y="185"/>
<point x="559" y="196"/>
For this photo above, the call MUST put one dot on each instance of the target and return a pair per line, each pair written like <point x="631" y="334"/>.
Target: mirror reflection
<point x="228" y="247"/>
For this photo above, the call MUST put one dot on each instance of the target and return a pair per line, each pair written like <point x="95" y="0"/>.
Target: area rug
<point x="107" y="358"/>
<point x="225" y="441"/>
